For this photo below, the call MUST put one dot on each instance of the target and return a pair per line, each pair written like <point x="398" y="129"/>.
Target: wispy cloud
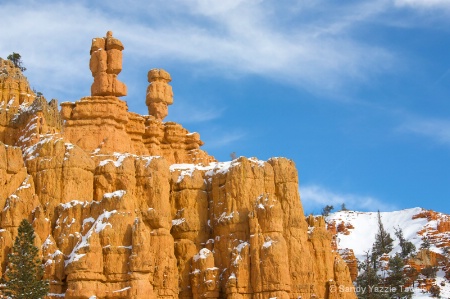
<point x="223" y="139"/>
<point x="436" y="129"/>
<point x="230" y="38"/>
<point x="315" y="197"/>
<point x="425" y="4"/>
<point x="194" y="112"/>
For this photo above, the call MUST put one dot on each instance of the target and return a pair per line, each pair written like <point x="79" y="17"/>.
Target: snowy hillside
<point x="362" y="236"/>
<point x="357" y="230"/>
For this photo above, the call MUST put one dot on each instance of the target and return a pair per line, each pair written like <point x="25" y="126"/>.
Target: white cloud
<point x="436" y="129"/>
<point x="231" y="38"/>
<point x="193" y="112"/>
<point x="315" y="197"/>
<point x="433" y="4"/>
<point x="222" y="140"/>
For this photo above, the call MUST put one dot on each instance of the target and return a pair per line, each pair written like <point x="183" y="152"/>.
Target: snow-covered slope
<point x="365" y="226"/>
<point x="357" y="230"/>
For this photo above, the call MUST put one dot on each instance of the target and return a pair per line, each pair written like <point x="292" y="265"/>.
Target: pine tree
<point x="396" y="279"/>
<point x="429" y="271"/>
<point x="406" y="246"/>
<point x="435" y="291"/>
<point x="383" y="241"/>
<point x="326" y="210"/>
<point x="23" y="278"/>
<point x="17" y="60"/>
<point x="425" y="243"/>
<point x="368" y="280"/>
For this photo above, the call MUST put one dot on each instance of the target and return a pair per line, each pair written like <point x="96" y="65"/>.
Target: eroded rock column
<point x="105" y="65"/>
<point x="159" y="93"/>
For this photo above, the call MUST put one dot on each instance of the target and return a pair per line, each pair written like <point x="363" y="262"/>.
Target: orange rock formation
<point x="105" y="65"/>
<point x="128" y="206"/>
<point x="159" y="93"/>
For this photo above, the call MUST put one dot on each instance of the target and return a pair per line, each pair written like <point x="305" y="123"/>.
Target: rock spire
<point x="159" y="93"/>
<point x="105" y="65"/>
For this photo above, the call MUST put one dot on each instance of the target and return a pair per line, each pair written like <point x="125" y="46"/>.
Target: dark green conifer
<point x="396" y="279"/>
<point x="383" y="241"/>
<point x="406" y="246"/>
<point x="17" y="60"/>
<point x="368" y="280"/>
<point x="327" y="210"/>
<point x="23" y="277"/>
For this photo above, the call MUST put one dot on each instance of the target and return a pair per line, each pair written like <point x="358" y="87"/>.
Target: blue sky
<point x="357" y="93"/>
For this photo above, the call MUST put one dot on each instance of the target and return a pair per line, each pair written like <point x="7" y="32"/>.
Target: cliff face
<point x="129" y="206"/>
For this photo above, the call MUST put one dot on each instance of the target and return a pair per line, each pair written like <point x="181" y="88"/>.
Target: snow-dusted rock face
<point x="14" y="87"/>
<point x="123" y="208"/>
<point x="23" y="115"/>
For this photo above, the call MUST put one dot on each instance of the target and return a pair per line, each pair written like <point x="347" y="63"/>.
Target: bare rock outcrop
<point x="14" y="87"/>
<point x="128" y="206"/>
<point x="254" y="214"/>
<point x="23" y="115"/>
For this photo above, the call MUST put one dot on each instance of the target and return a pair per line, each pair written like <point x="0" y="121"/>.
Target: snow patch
<point x="268" y="243"/>
<point x="242" y="246"/>
<point x="203" y="254"/>
<point x="122" y="290"/>
<point x="118" y="193"/>
<point x="25" y="184"/>
<point x="47" y="242"/>
<point x="88" y="220"/>
<point x="224" y="217"/>
<point x="178" y="221"/>
<point x="72" y="203"/>
<point x="100" y="224"/>
<point x="211" y="169"/>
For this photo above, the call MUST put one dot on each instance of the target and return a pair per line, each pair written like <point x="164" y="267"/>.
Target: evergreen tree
<point x="435" y="291"/>
<point x="17" y="60"/>
<point x="425" y="243"/>
<point x="383" y="241"/>
<point x="411" y="275"/>
<point x="368" y="280"/>
<point x="326" y="210"/>
<point x="406" y="246"/>
<point x="396" y="279"/>
<point x="23" y="278"/>
<point x="429" y="271"/>
<point x="343" y="207"/>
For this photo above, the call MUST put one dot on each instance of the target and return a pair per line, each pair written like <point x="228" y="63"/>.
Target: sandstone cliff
<point x="128" y="206"/>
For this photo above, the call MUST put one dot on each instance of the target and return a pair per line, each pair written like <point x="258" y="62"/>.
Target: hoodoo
<point x="129" y="206"/>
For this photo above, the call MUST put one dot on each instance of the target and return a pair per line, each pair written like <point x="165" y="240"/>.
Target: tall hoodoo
<point x="105" y="65"/>
<point x="159" y="93"/>
<point x="102" y="123"/>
